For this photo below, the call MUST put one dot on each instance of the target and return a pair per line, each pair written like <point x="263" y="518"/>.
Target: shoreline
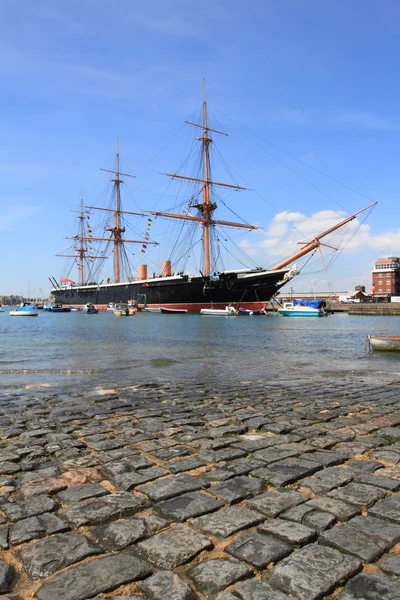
<point x="233" y="491"/>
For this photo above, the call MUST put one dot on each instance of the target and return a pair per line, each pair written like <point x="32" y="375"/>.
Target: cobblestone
<point x="245" y="492"/>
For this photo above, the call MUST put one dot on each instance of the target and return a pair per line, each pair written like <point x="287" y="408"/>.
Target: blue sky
<point x="315" y="79"/>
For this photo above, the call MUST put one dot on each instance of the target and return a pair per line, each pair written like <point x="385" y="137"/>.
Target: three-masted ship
<point x="250" y="288"/>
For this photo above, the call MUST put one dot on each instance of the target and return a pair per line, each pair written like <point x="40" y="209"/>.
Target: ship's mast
<point x="206" y="207"/>
<point x="81" y="251"/>
<point x="315" y="243"/>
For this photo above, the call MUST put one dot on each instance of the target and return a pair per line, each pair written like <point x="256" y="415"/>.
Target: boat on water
<point x="111" y="306"/>
<point x="90" y="309"/>
<point x="59" y="308"/>
<point x="151" y="310"/>
<point x="249" y="313"/>
<point x="172" y="311"/>
<point x="228" y="311"/>
<point x="1" y="309"/>
<point x="304" y="308"/>
<point x="26" y="310"/>
<point x="75" y="309"/>
<point x="384" y="342"/>
<point x="250" y="288"/>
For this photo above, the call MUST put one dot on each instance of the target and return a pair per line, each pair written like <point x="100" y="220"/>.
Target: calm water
<point x="73" y="349"/>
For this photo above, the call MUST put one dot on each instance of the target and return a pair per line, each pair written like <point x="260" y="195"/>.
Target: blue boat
<point x="304" y="308"/>
<point x="26" y="310"/>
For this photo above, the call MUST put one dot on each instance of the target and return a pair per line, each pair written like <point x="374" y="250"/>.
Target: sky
<point x="307" y="91"/>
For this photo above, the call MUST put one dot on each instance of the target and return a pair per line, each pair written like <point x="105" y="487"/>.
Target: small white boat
<point x="152" y="310"/>
<point x="90" y="309"/>
<point x="26" y="310"/>
<point x="384" y="342"/>
<point x="111" y="306"/>
<point x="228" y="311"/>
<point x="303" y="308"/>
<point x="173" y="311"/>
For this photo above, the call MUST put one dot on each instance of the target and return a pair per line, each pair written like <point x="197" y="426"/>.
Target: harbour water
<point x="71" y="349"/>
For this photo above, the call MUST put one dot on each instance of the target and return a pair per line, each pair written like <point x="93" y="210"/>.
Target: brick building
<point x="386" y="276"/>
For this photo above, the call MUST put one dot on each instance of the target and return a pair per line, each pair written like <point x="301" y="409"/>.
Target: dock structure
<point x="286" y="489"/>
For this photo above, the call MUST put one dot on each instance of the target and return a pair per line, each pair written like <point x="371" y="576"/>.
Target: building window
<point x="380" y="282"/>
<point x="380" y="289"/>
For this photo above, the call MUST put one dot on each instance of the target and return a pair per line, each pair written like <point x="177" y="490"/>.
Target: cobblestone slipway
<point x="243" y="492"/>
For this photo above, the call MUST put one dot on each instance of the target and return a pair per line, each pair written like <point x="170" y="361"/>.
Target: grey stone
<point x="93" y="577"/>
<point x="293" y="533"/>
<point x="99" y="510"/>
<point x="56" y="552"/>
<point x="125" y="465"/>
<point x="165" y="585"/>
<point x="184" y="464"/>
<point x="4" y="537"/>
<point x="313" y="571"/>
<point x="341" y="510"/>
<point x="276" y="501"/>
<point x="171" y="486"/>
<point x="26" y="530"/>
<point x="354" y="542"/>
<point x="52" y="523"/>
<point x="358" y="494"/>
<point x="329" y="478"/>
<point x="371" y="586"/>
<point x="82" y="492"/>
<point x="389" y="508"/>
<point x="32" y="507"/>
<point x="237" y="489"/>
<point x="172" y="547"/>
<point x="368" y="466"/>
<point x="258" y="550"/>
<point x="271" y="455"/>
<point x="326" y="458"/>
<point x="391" y="565"/>
<point x="227" y="521"/>
<point x="188" y="505"/>
<point x="383" y="482"/>
<point x="128" y="481"/>
<point x="377" y="528"/>
<point x="213" y="576"/>
<point x="318" y="520"/>
<point x="254" y="589"/>
<point x="119" y="534"/>
<point x="6" y="576"/>
<point x="286" y="471"/>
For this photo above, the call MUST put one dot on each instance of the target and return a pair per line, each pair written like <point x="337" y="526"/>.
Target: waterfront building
<point x="386" y="276"/>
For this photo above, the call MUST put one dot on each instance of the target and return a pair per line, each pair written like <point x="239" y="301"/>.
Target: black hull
<point x="251" y="289"/>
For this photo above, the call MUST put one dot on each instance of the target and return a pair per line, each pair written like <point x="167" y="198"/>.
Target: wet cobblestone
<point x="244" y="492"/>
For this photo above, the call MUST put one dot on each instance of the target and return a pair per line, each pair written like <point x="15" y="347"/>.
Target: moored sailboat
<point x="249" y="288"/>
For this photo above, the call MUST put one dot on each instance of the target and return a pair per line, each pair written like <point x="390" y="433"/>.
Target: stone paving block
<point x="30" y="508"/>
<point x="82" y="492"/>
<point x="93" y="577"/>
<point x="286" y="471"/>
<point x="355" y="542"/>
<point x="227" y="521"/>
<point x="254" y="589"/>
<point x="257" y="549"/>
<point x="391" y="565"/>
<point x="52" y="523"/>
<point x="6" y="576"/>
<point x="326" y="458"/>
<point x="99" y="510"/>
<point x="319" y="520"/>
<point x="188" y="506"/>
<point x="213" y="576"/>
<point x="237" y="489"/>
<point x="26" y="530"/>
<point x="127" y="481"/>
<point x="383" y="482"/>
<point x="341" y="510"/>
<point x="166" y="585"/>
<point x="172" y="547"/>
<point x="389" y="509"/>
<point x="312" y="572"/>
<point x="329" y="478"/>
<point x="183" y="464"/>
<point x="276" y="501"/>
<point x="293" y="533"/>
<point x="119" y="534"/>
<point x="44" y="558"/>
<point x="171" y="486"/>
<point x="368" y="466"/>
<point x="386" y="455"/>
<point x="371" y="586"/>
<point x="358" y="494"/>
<point x="274" y="454"/>
<point x="4" y="537"/>
<point x="385" y="530"/>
